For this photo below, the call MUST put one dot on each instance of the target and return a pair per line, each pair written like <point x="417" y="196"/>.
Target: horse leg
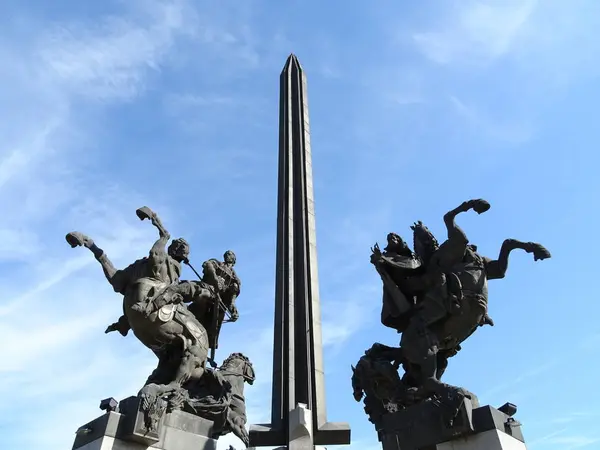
<point x="496" y="269"/>
<point x="455" y="246"/>
<point x="454" y="231"/>
<point x="237" y="423"/>
<point x="420" y="348"/>
<point x="191" y="366"/>
<point x="114" y="276"/>
<point x="165" y="369"/>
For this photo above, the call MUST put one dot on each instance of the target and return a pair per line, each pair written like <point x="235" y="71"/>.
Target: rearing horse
<point x="435" y="332"/>
<point x="172" y="332"/>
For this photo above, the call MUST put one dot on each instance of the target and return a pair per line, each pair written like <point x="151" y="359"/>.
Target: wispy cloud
<point x="476" y="31"/>
<point x="56" y="302"/>
<point x="524" y="376"/>
<point x="500" y="130"/>
<point x="342" y="318"/>
<point x="573" y="441"/>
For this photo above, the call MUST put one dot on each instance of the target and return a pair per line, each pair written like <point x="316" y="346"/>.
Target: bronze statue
<point x="179" y="321"/>
<point x="436" y="296"/>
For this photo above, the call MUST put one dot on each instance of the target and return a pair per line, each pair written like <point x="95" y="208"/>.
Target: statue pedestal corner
<point x="124" y="430"/>
<point x="475" y="428"/>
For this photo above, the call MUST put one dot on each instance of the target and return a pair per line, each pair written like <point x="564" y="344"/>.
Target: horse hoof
<point x="76" y="239"/>
<point x="144" y="213"/>
<point x="540" y="252"/>
<point x="480" y="206"/>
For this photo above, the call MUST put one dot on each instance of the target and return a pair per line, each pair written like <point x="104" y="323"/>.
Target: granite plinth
<point x="123" y="430"/>
<point x="422" y="427"/>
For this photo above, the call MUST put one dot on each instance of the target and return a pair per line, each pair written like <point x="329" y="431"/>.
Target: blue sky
<point x="109" y="106"/>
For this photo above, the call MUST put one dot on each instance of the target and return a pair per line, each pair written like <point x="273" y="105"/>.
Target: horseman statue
<point x="180" y="322"/>
<point x="436" y="296"/>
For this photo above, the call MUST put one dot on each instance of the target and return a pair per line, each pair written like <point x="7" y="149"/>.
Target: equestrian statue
<point x="436" y="295"/>
<point x="180" y="321"/>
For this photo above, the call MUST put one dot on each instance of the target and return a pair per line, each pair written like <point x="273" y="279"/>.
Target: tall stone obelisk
<point x="298" y="415"/>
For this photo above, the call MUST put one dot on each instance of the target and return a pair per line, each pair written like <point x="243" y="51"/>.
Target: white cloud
<point x="549" y="42"/>
<point x="346" y="317"/>
<point x="476" y="31"/>
<point x="55" y="302"/>
<point x="17" y="244"/>
<point x="111" y="59"/>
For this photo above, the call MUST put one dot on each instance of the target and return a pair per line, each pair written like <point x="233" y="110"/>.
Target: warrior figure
<point x="437" y="296"/>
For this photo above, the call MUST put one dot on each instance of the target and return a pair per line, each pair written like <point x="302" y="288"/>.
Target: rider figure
<point x="221" y="281"/>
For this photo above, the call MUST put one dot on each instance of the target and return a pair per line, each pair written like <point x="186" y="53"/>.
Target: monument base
<point x="422" y="427"/>
<point x="488" y="440"/>
<point x="124" y="430"/>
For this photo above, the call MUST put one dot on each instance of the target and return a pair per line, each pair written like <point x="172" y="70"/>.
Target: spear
<point x="215" y="320"/>
<point x="221" y="304"/>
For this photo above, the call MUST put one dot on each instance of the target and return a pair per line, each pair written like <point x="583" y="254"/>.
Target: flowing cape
<point x="397" y="306"/>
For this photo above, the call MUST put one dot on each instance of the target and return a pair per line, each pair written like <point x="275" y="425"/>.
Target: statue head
<point x="229" y="257"/>
<point x="424" y="242"/>
<point x="179" y="250"/>
<point x="397" y="245"/>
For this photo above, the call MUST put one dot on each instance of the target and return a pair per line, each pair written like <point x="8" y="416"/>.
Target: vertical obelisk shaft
<point x="298" y="417"/>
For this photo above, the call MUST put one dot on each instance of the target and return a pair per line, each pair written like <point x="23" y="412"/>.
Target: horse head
<point x="239" y="365"/>
<point x="424" y="242"/>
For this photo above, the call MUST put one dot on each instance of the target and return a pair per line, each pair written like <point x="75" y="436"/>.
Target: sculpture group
<point x="180" y="322"/>
<point x="436" y="295"/>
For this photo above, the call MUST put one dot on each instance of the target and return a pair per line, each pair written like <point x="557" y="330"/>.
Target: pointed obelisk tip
<point x="291" y="62"/>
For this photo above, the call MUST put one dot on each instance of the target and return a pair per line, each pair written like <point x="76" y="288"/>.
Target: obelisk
<point x="298" y="414"/>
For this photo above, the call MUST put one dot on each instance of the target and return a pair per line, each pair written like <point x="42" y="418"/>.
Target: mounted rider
<point x="445" y="293"/>
<point x="163" y="270"/>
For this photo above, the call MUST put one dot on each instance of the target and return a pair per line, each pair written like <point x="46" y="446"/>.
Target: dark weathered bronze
<point x="437" y="297"/>
<point x="298" y="415"/>
<point x="180" y="321"/>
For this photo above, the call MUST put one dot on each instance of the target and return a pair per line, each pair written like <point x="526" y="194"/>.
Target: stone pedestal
<point x="123" y="430"/>
<point x="488" y="440"/>
<point x="421" y="428"/>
